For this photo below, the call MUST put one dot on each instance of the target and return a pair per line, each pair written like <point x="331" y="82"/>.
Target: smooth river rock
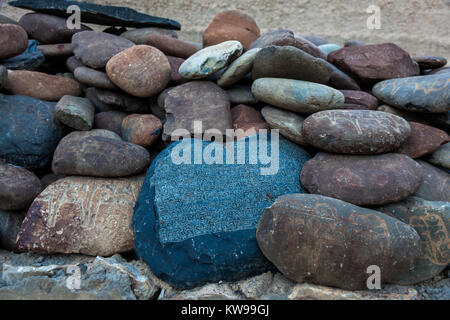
<point x="75" y="112"/>
<point x="141" y="129"/>
<point x="138" y="36"/>
<point x="360" y="179"/>
<point x="93" y="78"/>
<point x="289" y="123"/>
<point x="238" y="69"/>
<point x="355" y="131"/>
<point x="109" y="120"/>
<point x="435" y="185"/>
<point x="312" y="238"/>
<point x="171" y="46"/>
<point x="441" y="156"/>
<point x="430" y="62"/>
<point x="105" y="100"/>
<point x="13" y="40"/>
<point x="247" y="119"/>
<point x="296" y="95"/>
<point x="359" y="100"/>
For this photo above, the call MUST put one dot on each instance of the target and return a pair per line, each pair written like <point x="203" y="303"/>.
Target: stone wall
<point x="419" y="26"/>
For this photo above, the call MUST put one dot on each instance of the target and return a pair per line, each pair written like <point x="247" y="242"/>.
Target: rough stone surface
<point x="75" y="112"/>
<point x="231" y="25"/>
<point x="93" y="78"/>
<point x="29" y="129"/>
<point x="171" y="46"/>
<point x="109" y="120"/>
<point x="296" y="95"/>
<point x="105" y="99"/>
<point x="359" y="100"/>
<point x="82" y="215"/>
<point x="18" y="187"/>
<point x="99" y="157"/>
<point x="289" y="123"/>
<point x="435" y="185"/>
<point x="142" y="71"/>
<point x="13" y="40"/>
<point x="419" y="94"/>
<point x="422" y="140"/>
<point x="139" y="129"/>
<point x="362" y="180"/>
<point x="41" y="85"/>
<point x="441" y="156"/>
<point x="372" y="63"/>
<point x="31" y="59"/>
<point x="95" y="48"/>
<point x="355" y="131"/>
<point x="10" y="223"/>
<point x="139" y="35"/>
<point x="196" y="223"/>
<point x="291" y="235"/>
<point x="238" y="69"/>
<point x="431" y="220"/>
<point x="289" y="63"/>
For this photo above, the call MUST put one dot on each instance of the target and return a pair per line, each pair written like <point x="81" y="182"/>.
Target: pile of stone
<point x="88" y="127"/>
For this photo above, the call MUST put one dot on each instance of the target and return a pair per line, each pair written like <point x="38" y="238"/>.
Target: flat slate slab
<point x="98" y="13"/>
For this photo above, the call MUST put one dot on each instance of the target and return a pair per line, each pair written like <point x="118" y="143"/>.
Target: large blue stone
<point x="196" y="223"/>
<point x="29" y="131"/>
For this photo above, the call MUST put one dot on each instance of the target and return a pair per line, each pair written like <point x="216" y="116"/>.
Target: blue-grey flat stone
<point x="31" y="59"/>
<point x="196" y="223"/>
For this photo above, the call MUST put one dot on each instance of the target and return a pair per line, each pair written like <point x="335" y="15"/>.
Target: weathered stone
<point x="289" y="123"/>
<point x="296" y="95"/>
<point x="95" y="133"/>
<point x="422" y="140"/>
<point x="3" y="76"/>
<point x="49" y="178"/>
<point x="98" y="13"/>
<point x="372" y="63"/>
<point x="409" y="116"/>
<point x="329" y="47"/>
<point x="210" y="291"/>
<point x="29" y="131"/>
<point x="117" y="100"/>
<point x="142" y="71"/>
<point x="355" y="131"/>
<point x="95" y="48"/>
<point x="359" y="100"/>
<point x="31" y="59"/>
<point x="231" y="25"/>
<point x="47" y="28"/>
<point x="18" y="187"/>
<point x="175" y="76"/>
<point x="171" y="46"/>
<point x="138" y="36"/>
<point x="435" y="185"/>
<point x="323" y="240"/>
<point x="10" y="223"/>
<point x="72" y="63"/>
<point x="419" y="94"/>
<point x="241" y="95"/>
<point x="430" y="62"/>
<point x="238" y="69"/>
<point x="56" y="50"/>
<point x="142" y="130"/>
<point x="109" y="120"/>
<point x="362" y="180"/>
<point x="247" y="119"/>
<point x="99" y="157"/>
<point x="196" y="101"/>
<point x="210" y="60"/>
<point x="441" y="156"/>
<point x="341" y="80"/>
<point x="41" y="85"/>
<point x="289" y="63"/>
<point x="431" y="220"/>
<point x="75" y="112"/>
<point x="92" y="94"/>
<point x="93" y="78"/>
<point x="13" y="40"/>
<point x="187" y="244"/>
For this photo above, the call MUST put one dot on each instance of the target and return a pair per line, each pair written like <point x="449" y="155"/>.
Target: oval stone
<point x="355" y="131"/>
<point x="238" y="69"/>
<point x="359" y="100"/>
<point x="171" y="46"/>
<point x="289" y="123"/>
<point x="142" y="71"/>
<point x="93" y="78"/>
<point x="75" y="112"/>
<point x="109" y="120"/>
<point x="360" y="179"/>
<point x="13" y="40"/>
<point x="138" y="36"/>
<point x="441" y="156"/>
<point x="18" y="187"/>
<point x="296" y="95"/>
<point x="99" y="157"/>
<point x="141" y="129"/>
<point x="435" y="185"/>
<point x="312" y="238"/>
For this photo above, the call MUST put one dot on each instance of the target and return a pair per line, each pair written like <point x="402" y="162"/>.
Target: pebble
<point x="289" y="123"/>
<point x="231" y="25"/>
<point x="75" y="112"/>
<point x="142" y="130"/>
<point x="355" y="131"/>
<point x="171" y="46"/>
<point x="56" y="50"/>
<point x="441" y="156"/>
<point x="93" y="78"/>
<point x="175" y="76"/>
<point x="318" y="41"/>
<point x="210" y="60"/>
<point x="107" y="100"/>
<point x="241" y="95"/>
<point x="139" y="36"/>
<point x="296" y="95"/>
<point x="363" y="180"/>
<point x="328" y="239"/>
<point x="72" y="63"/>
<point x="142" y="71"/>
<point x="430" y="62"/>
<point x="359" y="100"/>
<point x="13" y="40"/>
<point x="247" y="119"/>
<point x="341" y="80"/>
<point x="435" y="185"/>
<point x="238" y="69"/>
<point x="109" y="120"/>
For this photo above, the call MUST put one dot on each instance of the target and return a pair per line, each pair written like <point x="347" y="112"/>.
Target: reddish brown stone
<point x="82" y="215"/>
<point x="171" y="46"/>
<point x="109" y="120"/>
<point x="373" y="63"/>
<point x="359" y="100"/>
<point x="141" y="129"/>
<point x="362" y="180"/>
<point x="430" y="62"/>
<point x="248" y="119"/>
<point x="312" y="238"/>
<point x="41" y="85"/>
<point x="13" y="40"/>
<point x="142" y="71"/>
<point x="422" y="140"/>
<point x="231" y="25"/>
<point x="175" y="64"/>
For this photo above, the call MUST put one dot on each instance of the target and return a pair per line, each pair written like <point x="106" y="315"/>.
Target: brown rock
<point x="373" y="63"/>
<point x="141" y="129"/>
<point x="109" y="120"/>
<point x="435" y="185"/>
<point x="142" y="71"/>
<point x="56" y="50"/>
<point x="82" y="215"/>
<point x="248" y="119"/>
<point x="171" y="46"/>
<point x="359" y="100"/>
<point x="422" y="140"/>
<point x="18" y="187"/>
<point x="41" y="85"/>
<point x="362" y="180"/>
<point x="231" y="25"/>
<point x="139" y="36"/>
<point x="430" y="62"/>
<point x="175" y="64"/>
<point x="312" y="238"/>
<point x="355" y="131"/>
<point x="13" y="40"/>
